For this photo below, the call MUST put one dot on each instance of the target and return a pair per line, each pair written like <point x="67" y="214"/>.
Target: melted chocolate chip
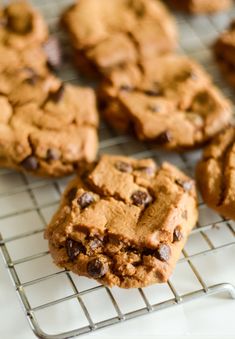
<point x="126" y="88"/>
<point x="177" y="235"/>
<point x="163" y="252"/>
<point x="141" y="198"/>
<point x="74" y="248"/>
<point x="164" y="138"/>
<point x="53" y="52"/>
<point x="85" y="200"/>
<point x="154" y="108"/>
<point x="152" y="92"/>
<point x="147" y="170"/>
<point x="71" y="195"/>
<point x="123" y="167"/>
<point x="58" y="95"/>
<point x="30" y="163"/>
<point x="52" y="154"/>
<point x="185" y="184"/>
<point x="94" y="243"/>
<point x="96" y="268"/>
<point x="33" y="79"/>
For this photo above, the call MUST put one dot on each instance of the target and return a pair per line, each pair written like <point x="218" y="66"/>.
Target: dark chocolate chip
<point x="185" y="184"/>
<point x="96" y="268"/>
<point x="141" y="198"/>
<point x="57" y="96"/>
<point x="147" y="170"/>
<point x="85" y="200"/>
<point x="177" y="235"/>
<point x="164" y="138"/>
<point x="74" y="248"/>
<point x="232" y="25"/>
<point x="126" y="88"/>
<point x="152" y="92"/>
<point x="53" y="52"/>
<point x="33" y="77"/>
<point x="154" y="108"/>
<point x="71" y="195"/>
<point x="30" y="163"/>
<point x="52" y="154"/>
<point x="94" y="243"/>
<point x="123" y="167"/>
<point x="163" y="252"/>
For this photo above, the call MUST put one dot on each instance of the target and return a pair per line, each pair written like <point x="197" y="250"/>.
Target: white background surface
<point x="211" y="316"/>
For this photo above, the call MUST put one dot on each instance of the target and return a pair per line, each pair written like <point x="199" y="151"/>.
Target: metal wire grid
<point x="195" y="37"/>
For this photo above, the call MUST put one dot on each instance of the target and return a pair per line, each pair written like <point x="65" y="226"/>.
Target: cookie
<point x="21" y="26"/>
<point x="105" y="34"/>
<point x="168" y="100"/>
<point x="47" y="128"/>
<point x="123" y="221"/>
<point x="224" y="49"/>
<point x="216" y="174"/>
<point x="200" y="6"/>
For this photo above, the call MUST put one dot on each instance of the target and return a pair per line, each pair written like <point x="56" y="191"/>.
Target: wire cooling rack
<point x="59" y="304"/>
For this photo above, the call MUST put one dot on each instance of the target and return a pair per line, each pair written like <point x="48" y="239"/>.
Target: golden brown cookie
<point x="123" y="221"/>
<point x="47" y="128"/>
<point x="105" y="33"/>
<point x="168" y="100"/>
<point x="216" y="174"/>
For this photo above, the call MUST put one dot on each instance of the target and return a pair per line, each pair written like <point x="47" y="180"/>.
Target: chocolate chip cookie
<point x="123" y="221"/>
<point x="168" y="100"/>
<point x="216" y="174"/>
<point x="201" y="6"/>
<point x="105" y="33"/>
<point x="47" y="128"/>
<point x="224" y="49"/>
<point x="21" y="26"/>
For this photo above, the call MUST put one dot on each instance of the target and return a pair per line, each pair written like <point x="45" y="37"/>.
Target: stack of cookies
<point x="121" y="221"/>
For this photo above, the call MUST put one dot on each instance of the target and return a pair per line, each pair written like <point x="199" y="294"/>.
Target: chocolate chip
<point x="71" y="195"/>
<point x="185" y="184"/>
<point x="30" y="163"/>
<point x="164" y="138"/>
<point x="94" y="243"/>
<point x="154" y="108"/>
<point x="126" y="88"/>
<point x="96" y="268"/>
<point x="85" y="200"/>
<point x="32" y="76"/>
<point x="74" y="248"/>
<point x="123" y="167"/>
<point x="141" y="198"/>
<point x="163" y="252"/>
<point x="52" y="154"/>
<point x="57" y="96"/>
<point x="177" y="235"/>
<point x="152" y="92"/>
<point x="147" y="170"/>
<point x="53" y="52"/>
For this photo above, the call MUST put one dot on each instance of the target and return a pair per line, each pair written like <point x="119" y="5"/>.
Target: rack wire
<point x="28" y="203"/>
